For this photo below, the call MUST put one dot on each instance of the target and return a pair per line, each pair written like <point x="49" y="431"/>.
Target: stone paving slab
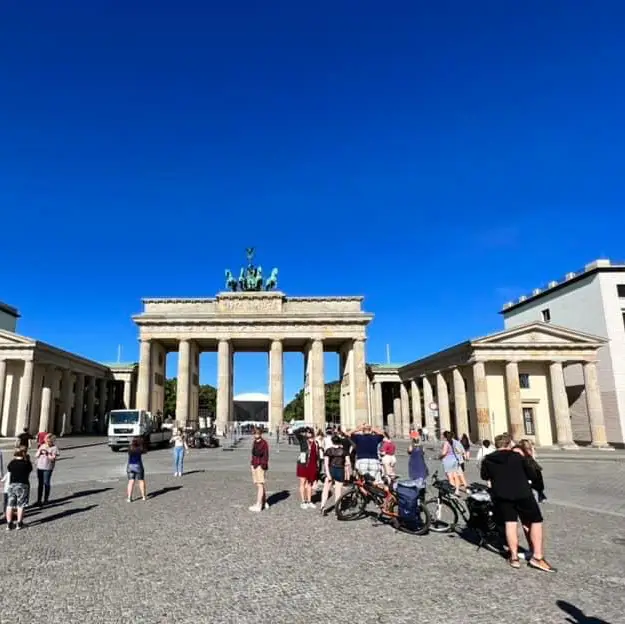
<point x="194" y="553"/>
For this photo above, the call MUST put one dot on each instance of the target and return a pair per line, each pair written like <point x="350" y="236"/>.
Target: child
<point x="19" y="490"/>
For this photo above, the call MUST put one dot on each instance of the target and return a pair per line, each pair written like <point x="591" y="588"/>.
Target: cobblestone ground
<point x="194" y="553"/>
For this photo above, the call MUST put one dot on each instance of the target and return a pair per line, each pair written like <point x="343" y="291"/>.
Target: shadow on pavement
<point x="80" y="494"/>
<point x="278" y="497"/>
<point x="190" y="472"/>
<point x="61" y="514"/>
<point x="577" y="616"/>
<point x="165" y="490"/>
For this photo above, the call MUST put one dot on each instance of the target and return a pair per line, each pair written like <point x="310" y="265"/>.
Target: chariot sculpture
<point x="251" y="277"/>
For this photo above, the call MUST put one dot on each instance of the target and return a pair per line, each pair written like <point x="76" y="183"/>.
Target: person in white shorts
<point x="388" y="452"/>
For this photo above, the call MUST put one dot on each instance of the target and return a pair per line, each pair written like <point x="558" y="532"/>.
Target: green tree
<point x="295" y="409"/>
<point x="208" y="397"/>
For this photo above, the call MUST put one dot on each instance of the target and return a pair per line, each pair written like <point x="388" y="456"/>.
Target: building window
<point x="620" y="289"/>
<point x="524" y="381"/>
<point x="546" y="314"/>
<point x="528" y="421"/>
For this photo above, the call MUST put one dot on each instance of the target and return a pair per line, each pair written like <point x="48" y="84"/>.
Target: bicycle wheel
<point x="351" y="505"/>
<point x="443" y="515"/>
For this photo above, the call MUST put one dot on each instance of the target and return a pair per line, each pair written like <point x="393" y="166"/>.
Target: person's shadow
<point x="165" y="490"/>
<point x="278" y="497"/>
<point x="577" y="616"/>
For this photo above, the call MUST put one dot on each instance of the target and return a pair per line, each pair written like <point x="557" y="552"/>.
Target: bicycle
<point x="353" y="503"/>
<point x="477" y="513"/>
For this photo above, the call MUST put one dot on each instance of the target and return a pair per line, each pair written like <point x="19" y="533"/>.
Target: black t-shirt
<point x="509" y="474"/>
<point x="24" y="439"/>
<point x="337" y="456"/>
<point x="20" y="470"/>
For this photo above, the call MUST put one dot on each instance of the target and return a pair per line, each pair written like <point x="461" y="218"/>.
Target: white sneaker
<point x="255" y="508"/>
<point x="266" y="506"/>
<point x="311" y="505"/>
<point x="129" y="500"/>
<point x="304" y="506"/>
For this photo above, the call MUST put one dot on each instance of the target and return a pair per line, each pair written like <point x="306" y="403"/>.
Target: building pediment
<point x="539" y="335"/>
<point x="9" y="339"/>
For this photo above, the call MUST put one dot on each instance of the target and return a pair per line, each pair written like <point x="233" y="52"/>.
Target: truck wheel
<point x="115" y="449"/>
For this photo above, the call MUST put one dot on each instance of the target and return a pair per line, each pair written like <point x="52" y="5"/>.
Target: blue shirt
<point x="367" y="445"/>
<point x="135" y="459"/>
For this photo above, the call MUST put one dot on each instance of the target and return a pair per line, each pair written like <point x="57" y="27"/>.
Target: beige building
<point x="44" y="388"/>
<point x="590" y="300"/>
<point x="512" y="381"/>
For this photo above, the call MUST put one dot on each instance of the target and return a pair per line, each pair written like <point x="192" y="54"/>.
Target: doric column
<point x="183" y="383"/>
<point x="460" y="403"/>
<point x="347" y="397"/>
<point x="224" y="381"/>
<point x="90" y="404"/>
<point x="276" y="385"/>
<point x="79" y="403"/>
<point x="144" y="382"/>
<point x="397" y="416"/>
<point x="564" y="429"/>
<point x="481" y="401"/>
<point x="515" y="410"/>
<point x="127" y="393"/>
<point x="417" y="418"/>
<point x="3" y="378"/>
<point x="26" y="390"/>
<point x="46" y="400"/>
<point x="442" y="396"/>
<point x="405" y="410"/>
<point x="360" y="381"/>
<point x="595" y="408"/>
<point x="428" y="398"/>
<point x="102" y="403"/>
<point x="317" y="384"/>
<point x="66" y="402"/>
<point x="378" y="417"/>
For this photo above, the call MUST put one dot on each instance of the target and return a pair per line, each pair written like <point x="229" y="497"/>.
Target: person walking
<point x="486" y="449"/>
<point x="451" y="456"/>
<point x="45" y="458"/>
<point x="260" y="465"/>
<point x="509" y="476"/>
<point x="19" y="469"/>
<point x="23" y="439"/>
<point x="180" y="449"/>
<point x="135" y="469"/>
<point x="466" y="445"/>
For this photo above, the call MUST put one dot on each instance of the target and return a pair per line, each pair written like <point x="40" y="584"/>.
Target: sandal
<point x="514" y="563"/>
<point x="539" y="563"/>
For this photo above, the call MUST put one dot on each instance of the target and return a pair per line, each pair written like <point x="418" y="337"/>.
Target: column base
<point x="568" y="446"/>
<point x="602" y="446"/>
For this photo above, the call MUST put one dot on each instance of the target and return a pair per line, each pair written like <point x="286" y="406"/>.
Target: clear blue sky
<point x="438" y="158"/>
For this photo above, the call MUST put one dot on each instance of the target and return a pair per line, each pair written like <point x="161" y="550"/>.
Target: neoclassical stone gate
<point x="254" y="321"/>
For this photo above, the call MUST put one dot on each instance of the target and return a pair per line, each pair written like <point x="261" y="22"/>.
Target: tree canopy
<point x="292" y="411"/>
<point x="208" y="397"/>
<point x="295" y="409"/>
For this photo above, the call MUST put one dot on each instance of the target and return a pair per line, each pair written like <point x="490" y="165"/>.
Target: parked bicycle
<point x="477" y="513"/>
<point x="406" y="514"/>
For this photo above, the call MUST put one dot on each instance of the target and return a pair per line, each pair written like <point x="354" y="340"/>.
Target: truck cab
<point x="124" y="425"/>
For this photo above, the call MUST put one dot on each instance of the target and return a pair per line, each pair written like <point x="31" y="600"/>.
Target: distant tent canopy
<point x="251" y="406"/>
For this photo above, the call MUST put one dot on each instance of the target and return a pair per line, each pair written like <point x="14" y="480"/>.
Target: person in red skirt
<point x="307" y="465"/>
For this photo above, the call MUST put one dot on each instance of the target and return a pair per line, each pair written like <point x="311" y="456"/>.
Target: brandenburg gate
<point x="252" y="316"/>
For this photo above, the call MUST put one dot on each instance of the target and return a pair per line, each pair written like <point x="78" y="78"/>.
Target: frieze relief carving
<point x="249" y="305"/>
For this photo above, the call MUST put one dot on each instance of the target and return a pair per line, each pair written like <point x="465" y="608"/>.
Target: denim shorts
<point x="135" y="473"/>
<point x="18" y="495"/>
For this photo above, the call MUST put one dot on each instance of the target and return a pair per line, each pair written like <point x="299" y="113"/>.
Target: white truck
<point x="126" y="424"/>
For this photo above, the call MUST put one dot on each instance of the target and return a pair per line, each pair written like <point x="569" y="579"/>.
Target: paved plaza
<point x="194" y="553"/>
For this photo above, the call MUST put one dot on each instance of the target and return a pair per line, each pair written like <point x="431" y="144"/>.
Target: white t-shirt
<point x="327" y="442"/>
<point x="178" y="440"/>
<point x="484" y="451"/>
